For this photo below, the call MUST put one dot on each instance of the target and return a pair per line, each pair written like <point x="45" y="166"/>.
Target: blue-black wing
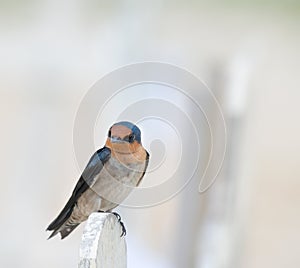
<point x="86" y="179"/>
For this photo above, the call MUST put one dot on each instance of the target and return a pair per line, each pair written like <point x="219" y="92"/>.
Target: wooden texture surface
<point x="101" y="243"/>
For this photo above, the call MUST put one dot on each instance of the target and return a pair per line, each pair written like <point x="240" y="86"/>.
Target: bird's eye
<point x="109" y="133"/>
<point x="131" y="138"/>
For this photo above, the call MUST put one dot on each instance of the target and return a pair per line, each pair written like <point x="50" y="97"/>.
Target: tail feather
<point x="67" y="230"/>
<point x="53" y="234"/>
<point x="64" y="230"/>
<point x="62" y="217"/>
<point x="65" y="214"/>
<point x="61" y="224"/>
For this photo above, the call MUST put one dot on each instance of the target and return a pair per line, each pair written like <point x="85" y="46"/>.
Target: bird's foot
<point x="117" y="215"/>
<point x="121" y="223"/>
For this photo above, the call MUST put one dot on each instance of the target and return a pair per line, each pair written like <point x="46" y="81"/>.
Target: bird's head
<point x="124" y="137"/>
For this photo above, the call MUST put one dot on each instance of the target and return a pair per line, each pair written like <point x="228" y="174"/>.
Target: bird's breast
<point x="124" y="172"/>
<point x="118" y="178"/>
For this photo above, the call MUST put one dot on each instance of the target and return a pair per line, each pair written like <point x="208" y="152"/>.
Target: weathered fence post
<point x="101" y="244"/>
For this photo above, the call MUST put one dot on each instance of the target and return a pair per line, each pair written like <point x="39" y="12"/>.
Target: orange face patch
<point x="124" y="151"/>
<point x="127" y="152"/>
<point x="123" y="147"/>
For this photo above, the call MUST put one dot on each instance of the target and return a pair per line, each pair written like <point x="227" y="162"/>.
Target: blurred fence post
<point x="101" y="244"/>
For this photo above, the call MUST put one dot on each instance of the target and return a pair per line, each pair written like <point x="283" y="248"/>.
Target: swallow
<point x="109" y="177"/>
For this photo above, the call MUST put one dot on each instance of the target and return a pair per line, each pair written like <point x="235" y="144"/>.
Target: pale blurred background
<point x="246" y="51"/>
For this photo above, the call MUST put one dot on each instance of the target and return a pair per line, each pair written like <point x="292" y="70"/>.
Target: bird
<point x="110" y="175"/>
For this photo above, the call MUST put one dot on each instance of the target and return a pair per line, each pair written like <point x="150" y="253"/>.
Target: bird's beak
<point x="116" y="140"/>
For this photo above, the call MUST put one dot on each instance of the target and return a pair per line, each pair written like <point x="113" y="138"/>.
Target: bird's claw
<point x="121" y="223"/>
<point x="117" y="215"/>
